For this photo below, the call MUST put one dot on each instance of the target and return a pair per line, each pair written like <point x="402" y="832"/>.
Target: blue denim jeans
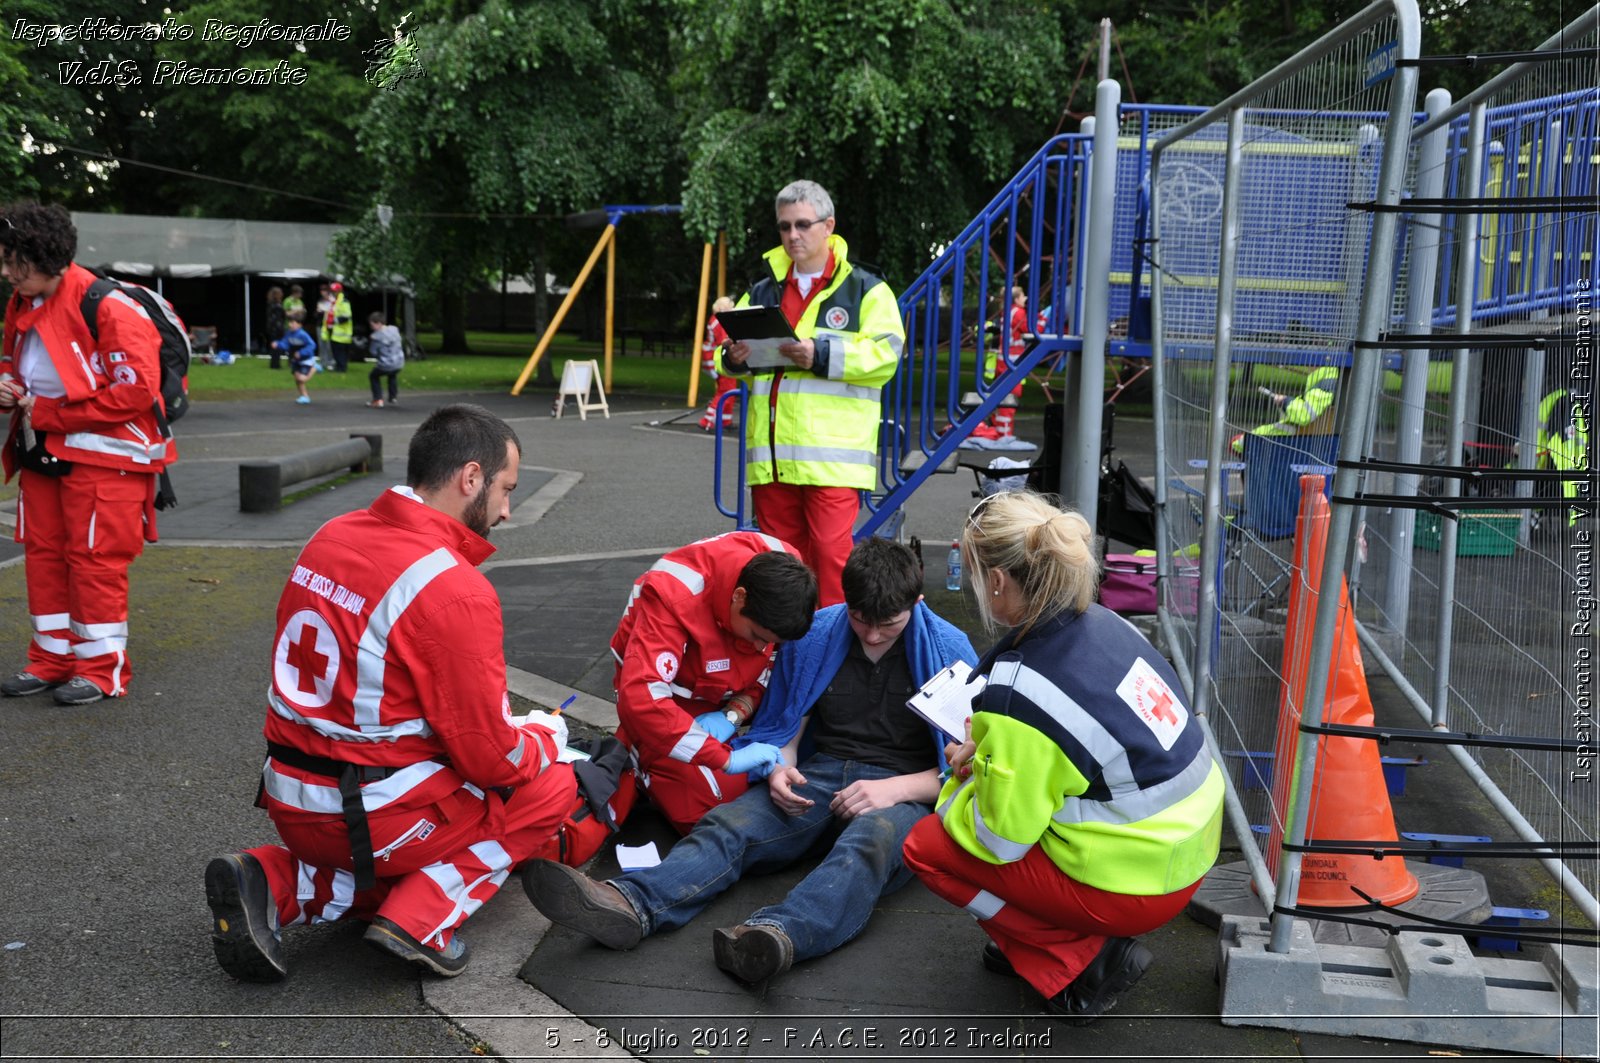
<point x="752" y="835"/>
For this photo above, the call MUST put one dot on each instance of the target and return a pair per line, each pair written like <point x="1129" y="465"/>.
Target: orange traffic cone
<point x="1348" y="798"/>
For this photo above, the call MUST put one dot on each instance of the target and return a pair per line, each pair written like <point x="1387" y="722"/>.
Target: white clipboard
<point x="945" y="701"/>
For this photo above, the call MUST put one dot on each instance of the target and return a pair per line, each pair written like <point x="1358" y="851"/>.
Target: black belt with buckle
<point x="350" y="778"/>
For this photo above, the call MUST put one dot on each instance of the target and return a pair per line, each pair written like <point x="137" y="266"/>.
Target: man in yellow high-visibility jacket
<point x="812" y="427"/>
<point x="338" y="327"/>
<point x="1564" y="440"/>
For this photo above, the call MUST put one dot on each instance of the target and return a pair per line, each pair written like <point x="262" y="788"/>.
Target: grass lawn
<point x="496" y="368"/>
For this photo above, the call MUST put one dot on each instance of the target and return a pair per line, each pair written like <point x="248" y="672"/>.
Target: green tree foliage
<point x="519" y="114"/>
<point x="128" y="81"/>
<point x="296" y="135"/>
<point x="28" y="105"/>
<point x="910" y="113"/>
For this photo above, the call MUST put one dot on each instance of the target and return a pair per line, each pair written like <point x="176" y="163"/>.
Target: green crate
<point x="1479" y="533"/>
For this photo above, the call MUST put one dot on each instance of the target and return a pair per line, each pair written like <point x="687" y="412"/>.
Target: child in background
<point x="715" y="337"/>
<point x="389" y="353"/>
<point x="302" y="351"/>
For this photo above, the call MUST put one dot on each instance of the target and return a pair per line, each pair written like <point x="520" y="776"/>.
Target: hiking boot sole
<point x="241" y="932"/>
<point x="565" y="895"/>
<point x="386" y="937"/>
<point x="753" y="956"/>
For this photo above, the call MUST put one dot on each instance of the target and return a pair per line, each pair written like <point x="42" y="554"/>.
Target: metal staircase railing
<point x="1022" y="238"/>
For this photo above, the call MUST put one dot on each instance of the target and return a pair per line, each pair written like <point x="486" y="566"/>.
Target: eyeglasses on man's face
<point x="802" y="226"/>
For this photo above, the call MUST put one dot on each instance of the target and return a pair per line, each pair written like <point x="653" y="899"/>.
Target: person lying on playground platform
<point x="859" y="769"/>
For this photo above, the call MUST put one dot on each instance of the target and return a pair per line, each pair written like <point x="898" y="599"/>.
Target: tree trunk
<point x="452" y="311"/>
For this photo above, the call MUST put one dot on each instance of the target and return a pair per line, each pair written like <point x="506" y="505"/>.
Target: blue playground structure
<point x="1443" y="264"/>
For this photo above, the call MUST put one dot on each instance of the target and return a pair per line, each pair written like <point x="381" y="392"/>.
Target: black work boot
<point x="244" y="919"/>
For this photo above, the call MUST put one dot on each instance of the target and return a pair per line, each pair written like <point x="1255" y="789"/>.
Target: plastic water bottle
<point x="952" y="568"/>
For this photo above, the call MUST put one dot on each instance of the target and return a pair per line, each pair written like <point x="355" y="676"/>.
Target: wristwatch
<point x="734" y="718"/>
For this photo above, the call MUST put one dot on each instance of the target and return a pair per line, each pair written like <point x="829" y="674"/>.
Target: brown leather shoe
<point x="569" y="897"/>
<point x="751" y="952"/>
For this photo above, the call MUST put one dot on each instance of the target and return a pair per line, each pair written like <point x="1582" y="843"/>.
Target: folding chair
<point x="1251" y="575"/>
<point x="1273" y="466"/>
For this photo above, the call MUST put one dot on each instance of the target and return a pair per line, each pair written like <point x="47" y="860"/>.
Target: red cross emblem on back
<point x="305" y="660"/>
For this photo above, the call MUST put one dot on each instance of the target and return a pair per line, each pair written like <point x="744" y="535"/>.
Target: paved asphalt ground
<point x="109" y="813"/>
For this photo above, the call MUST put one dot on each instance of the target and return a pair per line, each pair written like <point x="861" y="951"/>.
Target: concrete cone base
<point x="1426" y="987"/>
<point x="1451" y="893"/>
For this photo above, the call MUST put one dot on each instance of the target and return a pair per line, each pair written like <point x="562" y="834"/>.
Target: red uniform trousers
<point x="683" y="792"/>
<point x="817" y="522"/>
<point x="435" y="865"/>
<point x="725" y="384"/>
<point x="79" y="533"/>
<point x="1048" y="925"/>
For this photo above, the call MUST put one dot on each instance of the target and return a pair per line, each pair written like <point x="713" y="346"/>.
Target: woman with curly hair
<point x="87" y="442"/>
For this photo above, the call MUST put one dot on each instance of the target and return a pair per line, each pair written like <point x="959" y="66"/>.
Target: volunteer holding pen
<point x="1084" y="807"/>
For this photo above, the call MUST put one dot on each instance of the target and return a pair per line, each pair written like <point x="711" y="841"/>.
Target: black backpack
<point x="174" y="355"/>
<point x="175" y="351"/>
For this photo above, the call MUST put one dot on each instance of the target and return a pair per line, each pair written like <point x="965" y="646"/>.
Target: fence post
<point x="1080" y="459"/>
<point x="1424" y="271"/>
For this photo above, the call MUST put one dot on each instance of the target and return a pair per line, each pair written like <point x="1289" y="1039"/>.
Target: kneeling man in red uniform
<point x="402" y="789"/>
<point x="694" y="652"/>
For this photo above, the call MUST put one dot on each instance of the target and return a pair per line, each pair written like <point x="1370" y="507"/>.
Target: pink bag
<point x="1128" y="585"/>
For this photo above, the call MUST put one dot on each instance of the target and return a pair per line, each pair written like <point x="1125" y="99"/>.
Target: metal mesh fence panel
<point x="1490" y="635"/>
<point x="1259" y="272"/>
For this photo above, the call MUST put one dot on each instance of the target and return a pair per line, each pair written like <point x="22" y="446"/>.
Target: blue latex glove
<point x="715" y="724"/>
<point x="757" y="756"/>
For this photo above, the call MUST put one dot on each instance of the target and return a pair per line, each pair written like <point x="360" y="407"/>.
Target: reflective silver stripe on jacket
<point x="374" y="642"/>
<point x="691" y="742"/>
<point x="341" y="733"/>
<point x="1007" y="850"/>
<point x="316" y="797"/>
<point x="836" y="356"/>
<point x="682" y="573"/>
<point x="813" y="385"/>
<point x="662" y="691"/>
<point x="1073" y="718"/>
<point x="143" y="453"/>
<point x="839" y="455"/>
<point x="1140" y="804"/>
<point x="1129" y="802"/>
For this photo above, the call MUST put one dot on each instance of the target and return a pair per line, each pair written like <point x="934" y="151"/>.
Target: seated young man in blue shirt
<point x="859" y="768"/>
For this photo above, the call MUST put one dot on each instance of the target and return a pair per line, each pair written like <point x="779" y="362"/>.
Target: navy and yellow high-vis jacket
<point x="820" y="428"/>
<point x="1086" y="748"/>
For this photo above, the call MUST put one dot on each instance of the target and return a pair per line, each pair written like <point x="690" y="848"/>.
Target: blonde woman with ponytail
<point x="1083" y="809"/>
